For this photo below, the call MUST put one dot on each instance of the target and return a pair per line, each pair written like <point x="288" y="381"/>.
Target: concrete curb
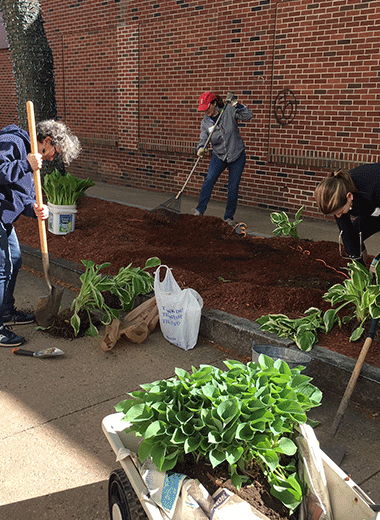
<point x="330" y="371"/>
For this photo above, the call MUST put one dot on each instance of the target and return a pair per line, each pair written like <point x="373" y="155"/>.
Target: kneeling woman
<point x="353" y="194"/>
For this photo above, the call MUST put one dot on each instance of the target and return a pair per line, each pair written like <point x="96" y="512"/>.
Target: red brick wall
<point x="128" y="78"/>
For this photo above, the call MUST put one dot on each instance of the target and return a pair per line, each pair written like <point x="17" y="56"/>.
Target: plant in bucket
<point x="62" y="192"/>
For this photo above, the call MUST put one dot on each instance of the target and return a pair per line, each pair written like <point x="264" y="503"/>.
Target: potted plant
<point x="62" y="192"/>
<point x="232" y="418"/>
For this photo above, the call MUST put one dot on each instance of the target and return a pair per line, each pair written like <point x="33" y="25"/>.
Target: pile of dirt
<point x="246" y="276"/>
<point x="256" y="492"/>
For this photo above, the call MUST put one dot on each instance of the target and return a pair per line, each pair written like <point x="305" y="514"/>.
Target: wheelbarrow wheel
<point x="122" y="500"/>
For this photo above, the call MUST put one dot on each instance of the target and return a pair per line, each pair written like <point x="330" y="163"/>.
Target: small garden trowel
<point x="48" y="352"/>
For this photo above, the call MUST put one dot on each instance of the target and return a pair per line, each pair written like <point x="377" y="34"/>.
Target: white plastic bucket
<point x="61" y="219"/>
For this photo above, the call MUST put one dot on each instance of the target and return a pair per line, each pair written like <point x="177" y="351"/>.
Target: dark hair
<point x="218" y="101"/>
<point x="331" y="193"/>
<point x="61" y="136"/>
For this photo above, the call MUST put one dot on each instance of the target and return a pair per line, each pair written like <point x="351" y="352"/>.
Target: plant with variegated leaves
<point x="247" y="412"/>
<point x="283" y="225"/>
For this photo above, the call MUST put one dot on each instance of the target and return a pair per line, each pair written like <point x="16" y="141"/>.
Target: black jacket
<point x="366" y="178"/>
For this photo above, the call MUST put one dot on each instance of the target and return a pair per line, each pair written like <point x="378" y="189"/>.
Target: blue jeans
<point x="216" y="167"/>
<point x="351" y="230"/>
<point x="10" y="264"/>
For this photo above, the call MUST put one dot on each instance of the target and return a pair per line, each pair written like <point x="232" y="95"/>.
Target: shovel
<point x="354" y="377"/>
<point x="47" y="306"/>
<point x="49" y="352"/>
<point x="335" y="451"/>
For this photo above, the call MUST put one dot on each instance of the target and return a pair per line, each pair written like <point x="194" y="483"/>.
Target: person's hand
<point x="35" y="161"/>
<point x="231" y="98"/>
<point x="201" y="152"/>
<point x="42" y="212"/>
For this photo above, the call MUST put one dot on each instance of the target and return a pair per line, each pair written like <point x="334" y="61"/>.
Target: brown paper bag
<point x="136" y="326"/>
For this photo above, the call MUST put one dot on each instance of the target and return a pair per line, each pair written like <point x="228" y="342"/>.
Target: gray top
<point x="226" y="141"/>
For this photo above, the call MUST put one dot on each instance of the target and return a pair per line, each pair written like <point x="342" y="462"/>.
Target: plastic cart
<point x="129" y="500"/>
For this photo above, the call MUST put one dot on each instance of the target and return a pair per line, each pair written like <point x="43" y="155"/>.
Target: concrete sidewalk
<point x="55" y="460"/>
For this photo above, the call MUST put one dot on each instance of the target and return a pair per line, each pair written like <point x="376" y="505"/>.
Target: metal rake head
<point x="173" y="204"/>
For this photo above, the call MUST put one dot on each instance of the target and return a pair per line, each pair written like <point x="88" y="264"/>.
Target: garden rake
<point x="172" y="208"/>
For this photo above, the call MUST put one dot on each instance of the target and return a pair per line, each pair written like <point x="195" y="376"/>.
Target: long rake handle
<point x="205" y="146"/>
<point x="354" y="376"/>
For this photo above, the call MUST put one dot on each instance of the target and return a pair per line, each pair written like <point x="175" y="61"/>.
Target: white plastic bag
<point x="179" y="310"/>
<point x="179" y="497"/>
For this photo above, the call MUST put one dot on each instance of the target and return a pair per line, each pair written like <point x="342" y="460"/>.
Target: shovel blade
<point x="49" y="352"/>
<point x="48" y="307"/>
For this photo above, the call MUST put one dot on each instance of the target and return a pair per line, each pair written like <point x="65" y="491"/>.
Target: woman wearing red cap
<point x="228" y="149"/>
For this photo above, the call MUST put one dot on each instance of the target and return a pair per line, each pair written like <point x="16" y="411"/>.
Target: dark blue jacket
<point x="17" y="194"/>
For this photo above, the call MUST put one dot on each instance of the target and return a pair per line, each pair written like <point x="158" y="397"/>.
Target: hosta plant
<point x="64" y="189"/>
<point x="303" y="331"/>
<point x="283" y="225"/>
<point x="126" y="285"/>
<point x="246" y="412"/>
<point x="360" y="292"/>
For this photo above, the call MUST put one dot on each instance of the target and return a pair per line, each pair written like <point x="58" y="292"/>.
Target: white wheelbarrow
<point x="129" y="496"/>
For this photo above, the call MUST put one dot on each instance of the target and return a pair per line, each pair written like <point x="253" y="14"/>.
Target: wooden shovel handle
<point x="36" y="174"/>
<point x="354" y="376"/>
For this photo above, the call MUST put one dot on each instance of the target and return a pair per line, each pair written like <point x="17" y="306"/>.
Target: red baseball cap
<point x="205" y="100"/>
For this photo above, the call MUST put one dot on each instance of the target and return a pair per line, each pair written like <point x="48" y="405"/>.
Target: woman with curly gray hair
<point x="17" y="197"/>
<point x="54" y="135"/>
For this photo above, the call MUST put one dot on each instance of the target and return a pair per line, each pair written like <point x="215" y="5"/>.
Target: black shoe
<point x="9" y="338"/>
<point x="18" y="318"/>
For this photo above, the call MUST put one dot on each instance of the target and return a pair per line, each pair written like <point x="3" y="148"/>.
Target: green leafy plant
<point x="126" y="285"/>
<point x="64" y="190"/>
<point x="360" y="292"/>
<point x="283" y="224"/>
<point x="247" y="412"/>
<point x="303" y="331"/>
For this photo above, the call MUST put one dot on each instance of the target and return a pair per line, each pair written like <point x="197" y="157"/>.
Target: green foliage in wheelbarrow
<point x="246" y="412"/>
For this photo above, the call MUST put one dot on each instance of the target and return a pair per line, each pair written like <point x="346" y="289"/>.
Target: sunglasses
<point x="56" y="152"/>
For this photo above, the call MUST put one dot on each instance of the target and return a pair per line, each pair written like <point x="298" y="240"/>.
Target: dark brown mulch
<point x="246" y="276"/>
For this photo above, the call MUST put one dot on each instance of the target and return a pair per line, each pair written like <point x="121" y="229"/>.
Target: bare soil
<point x="246" y="276"/>
<point x="257" y="492"/>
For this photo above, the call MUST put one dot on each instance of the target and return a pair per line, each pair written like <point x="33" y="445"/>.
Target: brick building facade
<point x="129" y="75"/>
